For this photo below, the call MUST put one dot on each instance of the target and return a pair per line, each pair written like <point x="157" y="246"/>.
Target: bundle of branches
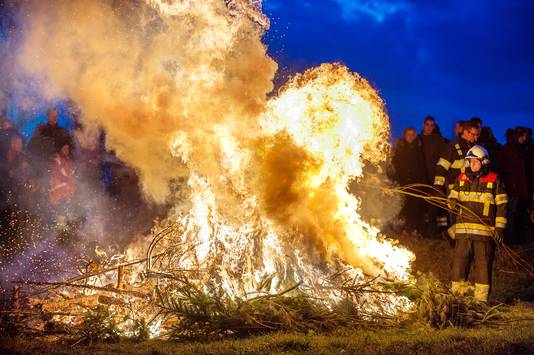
<point x="13" y="322"/>
<point x="195" y="313"/>
<point x="437" y="307"/>
<point x="13" y="318"/>
<point x="100" y="324"/>
<point x="189" y="311"/>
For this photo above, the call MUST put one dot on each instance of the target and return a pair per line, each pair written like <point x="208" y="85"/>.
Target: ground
<point x="517" y="338"/>
<point x="512" y="285"/>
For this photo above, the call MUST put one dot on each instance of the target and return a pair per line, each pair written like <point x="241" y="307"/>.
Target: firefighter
<point x="451" y="163"/>
<point x="479" y="199"/>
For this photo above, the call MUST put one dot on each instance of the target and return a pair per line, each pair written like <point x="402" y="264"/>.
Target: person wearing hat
<point x="479" y="203"/>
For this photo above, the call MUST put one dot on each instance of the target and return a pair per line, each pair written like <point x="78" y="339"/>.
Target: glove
<point x="499" y="235"/>
<point x="452" y="231"/>
<point x="452" y="202"/>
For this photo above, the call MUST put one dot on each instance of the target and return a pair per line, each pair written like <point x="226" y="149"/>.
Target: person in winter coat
<point x="62" y="184"/>
<point x="16" y="198"/>
<point x="49" y="138"/>
<point x="512" y="165"/>
<point x="479" y="200"/>
<point x="16" y="173"/>
<point x="431" y="144"/>
<point x="408" y="161"/>
<point x="46" y="141"/>
<point x="487" y="140"/>
<point x="530" y="153"/>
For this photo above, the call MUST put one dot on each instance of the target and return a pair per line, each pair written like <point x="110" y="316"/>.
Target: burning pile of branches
<point x="175" y="306"/>
<point x="266" y="235"/>
<point x="145" y="297"/>
<point x="137" y="299"/>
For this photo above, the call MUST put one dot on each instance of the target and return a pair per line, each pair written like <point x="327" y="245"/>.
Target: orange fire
<point x="274" y="202"/>
<point x="282" y="207"/>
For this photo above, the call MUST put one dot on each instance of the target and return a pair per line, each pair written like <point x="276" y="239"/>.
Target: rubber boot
<point x="481" y="292"/>
<point x="459" y="288"/>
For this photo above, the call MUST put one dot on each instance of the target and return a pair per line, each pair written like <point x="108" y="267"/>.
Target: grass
<point x="510" y="283"/>
<point x="511" y="286"/>
<point x="514" y="339"/>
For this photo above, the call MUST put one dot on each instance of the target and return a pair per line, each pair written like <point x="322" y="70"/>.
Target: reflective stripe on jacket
<point x="482" y="205"/>
<point x="451" y="162"/>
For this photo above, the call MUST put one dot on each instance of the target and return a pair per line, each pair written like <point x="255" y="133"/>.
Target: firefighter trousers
<point x="478" y="252"/>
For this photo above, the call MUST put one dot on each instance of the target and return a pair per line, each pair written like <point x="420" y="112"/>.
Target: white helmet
<point x="478" y="152"/>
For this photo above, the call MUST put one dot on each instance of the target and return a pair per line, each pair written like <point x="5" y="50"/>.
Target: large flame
<point x="337" y="119"/>
<point x="281" y="205"/>
<point x="266" y="180"/>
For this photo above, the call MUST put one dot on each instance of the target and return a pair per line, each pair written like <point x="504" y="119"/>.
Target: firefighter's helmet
<point x="478" y="152"/>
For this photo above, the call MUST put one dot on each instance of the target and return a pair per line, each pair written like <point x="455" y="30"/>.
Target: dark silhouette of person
<point x="408" y="161"/>
<point x="512" y="165"/>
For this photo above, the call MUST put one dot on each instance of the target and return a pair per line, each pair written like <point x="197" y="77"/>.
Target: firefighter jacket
<point x="482" y="206"/>
<point x="451" y="163"/>
<point x="62" y="180"/>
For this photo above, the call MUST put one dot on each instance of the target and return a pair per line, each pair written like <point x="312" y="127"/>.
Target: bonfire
<point x="264" y="234"/>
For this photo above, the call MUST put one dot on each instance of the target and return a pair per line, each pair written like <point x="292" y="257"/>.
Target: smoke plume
<point x="144" y="76"/>
<point x="180" y="88"/>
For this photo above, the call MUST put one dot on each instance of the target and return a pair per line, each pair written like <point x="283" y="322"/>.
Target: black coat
<point x="512" y="166"/>
<point x="408" y="161"/>
<point x="494" y="149"/>
<point x="48" y="140"/>
<point x="431" y="146"/>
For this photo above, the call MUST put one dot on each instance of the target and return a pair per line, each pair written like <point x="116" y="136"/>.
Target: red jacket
<point x="62" y="181"/>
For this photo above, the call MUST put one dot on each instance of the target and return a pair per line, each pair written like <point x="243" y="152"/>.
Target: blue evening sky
<point x="453" y="59"/>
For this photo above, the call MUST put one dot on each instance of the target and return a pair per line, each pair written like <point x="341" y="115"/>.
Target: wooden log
<point x="120" y="278"/>
<point x="110" y="300"/>
<point x="91" y="287"/>
<point x="16" y="297"/>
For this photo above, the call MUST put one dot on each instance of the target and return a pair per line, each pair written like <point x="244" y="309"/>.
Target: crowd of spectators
<point x="54" y="183"/>
<point x="416" y="156"/>
<point x="52" y="179"/>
